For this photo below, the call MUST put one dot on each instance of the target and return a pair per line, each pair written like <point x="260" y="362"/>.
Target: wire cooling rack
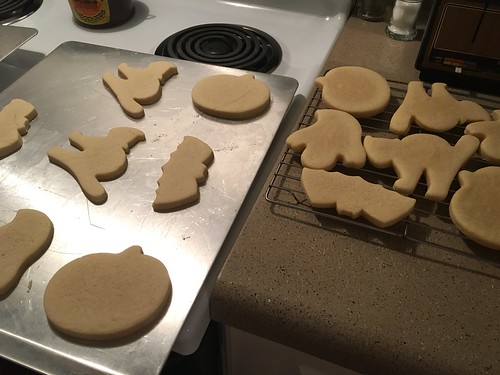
<point x="429" y="222"/>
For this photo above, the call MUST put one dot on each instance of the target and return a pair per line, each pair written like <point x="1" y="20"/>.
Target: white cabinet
<point x="247" y="354"/>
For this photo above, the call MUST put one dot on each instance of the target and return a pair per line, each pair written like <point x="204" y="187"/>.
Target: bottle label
<point x="91" y="12"/>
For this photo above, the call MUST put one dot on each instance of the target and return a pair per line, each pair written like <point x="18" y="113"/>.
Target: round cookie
<point x="106" y="296"/>
<point x="231" y="97"/>
<point x="356" y="90"/>
<point x="474" y="208"/>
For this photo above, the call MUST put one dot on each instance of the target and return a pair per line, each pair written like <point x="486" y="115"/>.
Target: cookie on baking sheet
<point x="103" y="296"/>
<point x="488" y="132"/>
<point x="136" y="87"/>
<point x="185" y="170"/>
<point x="354" y="197"/>
<point x="437" y="112"/>
<point x="97" y="159"/>
<point x="231" y="97"/>
<point x="356" y="90"/>
<point x="421" y="154"/>
<point x="475" y="207"/>
<point x="22" y="241"/>
<point x="334" y="136"/>
<point x="15" y="120"/>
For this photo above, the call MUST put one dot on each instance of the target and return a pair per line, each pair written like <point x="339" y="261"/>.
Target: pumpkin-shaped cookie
<point x="475" y="207"/>
<point x="358" y="91"/>
<point x="231" y="97"/>
<point x="106" y="296"/>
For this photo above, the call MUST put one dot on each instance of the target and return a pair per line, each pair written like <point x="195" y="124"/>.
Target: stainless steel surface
<point x="12" y="38"/>
<point x="67" y="90"/>
<point x="429" y="222"/>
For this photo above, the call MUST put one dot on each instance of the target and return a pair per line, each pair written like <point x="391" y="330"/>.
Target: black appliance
<point x="461" y="45"/>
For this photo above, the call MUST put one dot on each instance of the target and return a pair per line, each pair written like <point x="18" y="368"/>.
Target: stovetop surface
<point x="306" y="31"/>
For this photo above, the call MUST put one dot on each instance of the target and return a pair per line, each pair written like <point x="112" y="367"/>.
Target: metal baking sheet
<point x="68" y="93"/>
<point x="12" y="37"/>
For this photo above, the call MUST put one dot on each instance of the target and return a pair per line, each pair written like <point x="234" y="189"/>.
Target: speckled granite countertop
<point x="366" y="301"/>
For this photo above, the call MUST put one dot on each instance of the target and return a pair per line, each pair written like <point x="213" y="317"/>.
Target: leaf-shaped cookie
<point x="488" y="132"/>
<point x="22" y="241"/>
<point x="14" y="122"/>
<point x="438" y="112"/>
<point x="475" y="207"/>
<point x="352" y="196"/>
<point x="185" y="170"/>
<point x="334" y="136"/>
<point x="105" y="296"/>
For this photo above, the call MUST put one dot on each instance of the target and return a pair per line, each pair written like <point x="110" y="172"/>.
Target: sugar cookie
<point x="419" y="154"/>
<point x="135" y="87"/>
<point x="475" y="207"/>
<point x="98" y="159"/>
<point x="186" y="169"/>
<point x="334" y="136"/>
<point x="231" y="97"/>
<point x="356" y="90"/>
<point x="488" y="132"/>
<point x="104" y="296"/>
<point x="354" y="197"/>
<point x="15" y="120"/>
<point x="437" y="113"/>
<point x="22" y="241"/>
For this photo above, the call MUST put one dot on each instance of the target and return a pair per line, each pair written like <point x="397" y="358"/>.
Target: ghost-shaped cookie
<point x="334" y="136"/>
<point x="22" y="241"/>
<point x="488" y="132"/>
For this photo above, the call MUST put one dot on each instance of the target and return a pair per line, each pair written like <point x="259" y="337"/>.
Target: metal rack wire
<point x="429" y="222"/>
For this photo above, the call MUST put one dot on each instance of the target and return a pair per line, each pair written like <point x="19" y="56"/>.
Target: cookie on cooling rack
<point x="354" y="197"/>
<point x="334" y="136"/>
<point x="359" y="91"/>
<point x="488" y="133"/>
<point x="474" y="208"/>
<point x="437" y="112"/>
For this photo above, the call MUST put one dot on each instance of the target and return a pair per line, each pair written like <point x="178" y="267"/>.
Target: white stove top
<point x="306" y="31"/>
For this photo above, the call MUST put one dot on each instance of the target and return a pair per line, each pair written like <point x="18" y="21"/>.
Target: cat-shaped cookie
<point x="419" y="154"/>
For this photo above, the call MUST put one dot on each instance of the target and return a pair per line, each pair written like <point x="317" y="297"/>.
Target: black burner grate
<point x="15" y="9"/>
<point x="228" y="45"/>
